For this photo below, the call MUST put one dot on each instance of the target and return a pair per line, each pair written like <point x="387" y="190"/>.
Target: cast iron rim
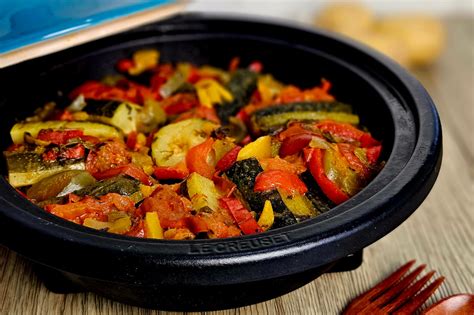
<point x="337" y="228"/>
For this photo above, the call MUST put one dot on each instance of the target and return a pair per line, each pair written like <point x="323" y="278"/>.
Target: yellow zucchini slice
<point x="172" y="142"/>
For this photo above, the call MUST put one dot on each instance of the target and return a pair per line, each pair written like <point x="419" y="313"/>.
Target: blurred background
<point x="413" y="32"/>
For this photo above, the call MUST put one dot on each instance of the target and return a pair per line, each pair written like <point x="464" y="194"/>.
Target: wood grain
<point x="439" y="233"/>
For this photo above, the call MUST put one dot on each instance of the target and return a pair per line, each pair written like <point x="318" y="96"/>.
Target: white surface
<point x="305" y="10"/>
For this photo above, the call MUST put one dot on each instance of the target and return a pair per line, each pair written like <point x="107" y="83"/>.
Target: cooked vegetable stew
<point x="177" y="151"/>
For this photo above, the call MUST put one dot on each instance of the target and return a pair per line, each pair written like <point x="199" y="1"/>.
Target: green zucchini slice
<point x="123" y="115"/>
<point x="272" y="118"/>
<point x="89" y="128"/>
<point x="26" y="169"/>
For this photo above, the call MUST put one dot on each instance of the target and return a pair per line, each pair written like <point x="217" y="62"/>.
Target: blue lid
<point x="25" y="22"/>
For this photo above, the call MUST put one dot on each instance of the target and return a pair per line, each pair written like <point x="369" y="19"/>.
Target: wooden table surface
<point x="439" y="233"/>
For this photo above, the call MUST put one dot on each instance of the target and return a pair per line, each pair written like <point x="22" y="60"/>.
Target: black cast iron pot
<point x="216" y="274"/>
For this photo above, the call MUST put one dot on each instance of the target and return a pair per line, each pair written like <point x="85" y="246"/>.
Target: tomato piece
<point x="256" y="66"/>
<point x="75" y="211"/>
<point x="108" y="155"/>
<point x="123" y="65"/>
<point x="129" y="169"/>
<point x="50" y="155"/>
<point x="197" y="159"/>
<point x="242" y="217"/>
<point x="59" y="136"/>
<point x="269" y="180"/>
<point x="170" y="207"/>
<point x="196" y="224"/>
<point x="171" y="172"/>
<point x="295" y="144"/>
<point x="329" y="188"/>
<point x="228" y="159"/>
<point x="373" y="153"/>
<point x="75" y="152"/>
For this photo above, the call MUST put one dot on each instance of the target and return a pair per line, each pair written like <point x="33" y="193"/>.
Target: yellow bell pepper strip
<point x="267" y="216"/>
<point x="261" y="148"/>
<point x="143" y="60"/>
<point x="121" y="226"/>
<point x="153" y="227"/>
<point x="210" y="92"/>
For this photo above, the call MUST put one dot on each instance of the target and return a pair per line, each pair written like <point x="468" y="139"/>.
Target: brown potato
<point x="346" y="18"/>
<point x="422" y="36"/>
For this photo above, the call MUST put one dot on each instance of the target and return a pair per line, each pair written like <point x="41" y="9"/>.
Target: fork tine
<point x="362" y="302"/>
<point x="399" y="287"/>
<point x="420" y="298"/>
<point x="390" y="280"/>
<point x="408" y="293"/>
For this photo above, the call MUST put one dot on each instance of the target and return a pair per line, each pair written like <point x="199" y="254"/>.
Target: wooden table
<point x="439" y="233"/>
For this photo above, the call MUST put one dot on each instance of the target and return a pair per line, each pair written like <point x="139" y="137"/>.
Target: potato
<point x="387" y="45"/>
<point x="421" y="36"/>
<point x="346" y="18"/>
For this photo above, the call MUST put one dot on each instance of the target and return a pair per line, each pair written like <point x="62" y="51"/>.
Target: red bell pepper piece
<point x="347" y="133"/>
<point x="373" y="153"/>
<point x="241" y="215"/>
<point x="256" y="66"/>
<point x="228" y="159"/>
<point x="197" y="159"/>
<point x="295" y="144"/>
<point x="129" y="169"/>
<point x="246" y="140"/>
<point x="225" y="186"/>
<point x="59" y="137"/>
<point x="347" y="151"/>
<point x="132" y="140"/>
<point x="171" y="172"/>
<point x="290" y="182"/>
<point x="234" y="64"/>
<point x="329" y="188"/>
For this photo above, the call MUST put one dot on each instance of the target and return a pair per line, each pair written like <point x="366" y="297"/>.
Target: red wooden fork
<point x="398" y="294"/>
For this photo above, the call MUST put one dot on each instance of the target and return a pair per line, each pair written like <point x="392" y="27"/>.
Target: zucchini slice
<point x="241" y="85"/>
<point x="243" y="174"/>
<point x="203" y="192"/>
<point x="299" y="205"/>
<point x="122" y="185"/>
<point x="172" y="142"/>
<point x="271" y="118"/>
<point x="29" y="168"/>
<point x="315" y="194"/>
<point x="90" y="128"/>
<point x="123" y="115"/>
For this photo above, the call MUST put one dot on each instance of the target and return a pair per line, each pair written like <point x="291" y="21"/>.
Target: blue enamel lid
<point x="26" y="22"/>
